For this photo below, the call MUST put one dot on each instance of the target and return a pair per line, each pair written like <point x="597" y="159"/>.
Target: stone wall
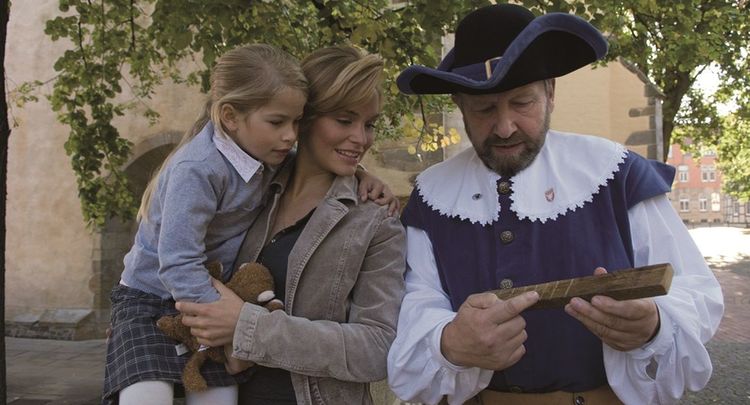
<point x="58" y="271"/>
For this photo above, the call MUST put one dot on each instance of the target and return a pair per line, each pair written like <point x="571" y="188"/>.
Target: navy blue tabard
<point x="561" y="354"/>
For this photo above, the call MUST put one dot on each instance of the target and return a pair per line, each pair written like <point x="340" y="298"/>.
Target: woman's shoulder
<point x="377" y="216"/>
<point x="372" y="209"/>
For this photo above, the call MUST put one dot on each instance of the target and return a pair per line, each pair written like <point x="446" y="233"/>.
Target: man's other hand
<point x="622" y="325"/>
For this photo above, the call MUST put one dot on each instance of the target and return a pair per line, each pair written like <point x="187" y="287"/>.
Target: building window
<point x="682" y="173"/>
<point x="703" y="204"/>
<point x="684" y="205"/>
<point x="715" y="202"/>
<point x="708" y="174"/>
<point x="709" y="152"/>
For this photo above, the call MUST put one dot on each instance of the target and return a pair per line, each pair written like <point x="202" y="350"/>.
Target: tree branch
<point x="132" y="27"/>
<point x="376" y="12"/>
<point x="80" y="44"/>
<point x="329" y="17"/>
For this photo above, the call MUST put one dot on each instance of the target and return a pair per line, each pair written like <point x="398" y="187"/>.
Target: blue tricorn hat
<point x="501" y="47"/>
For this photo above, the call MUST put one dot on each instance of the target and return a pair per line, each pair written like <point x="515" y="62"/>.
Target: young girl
<point x="196" y="210"/>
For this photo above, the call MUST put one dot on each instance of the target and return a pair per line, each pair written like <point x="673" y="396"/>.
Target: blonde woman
<point x="197" y="210"/>
<point x="338" y="263"/>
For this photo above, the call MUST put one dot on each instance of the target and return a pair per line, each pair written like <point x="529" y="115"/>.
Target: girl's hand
<point x="371" y="187"/>
<point x="213" y="323"/>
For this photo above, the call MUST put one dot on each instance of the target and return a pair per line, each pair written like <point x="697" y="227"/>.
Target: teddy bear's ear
<point x="215" y="269"/>
<point x="274" y="305"/>
<point x="250" y="280"/>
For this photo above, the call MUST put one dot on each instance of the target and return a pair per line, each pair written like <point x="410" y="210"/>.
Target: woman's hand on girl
<point x="213" y="323"/>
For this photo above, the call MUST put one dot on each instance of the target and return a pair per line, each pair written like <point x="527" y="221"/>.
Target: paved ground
<point x="44" y="372"/>
<point x="728" y="252"/>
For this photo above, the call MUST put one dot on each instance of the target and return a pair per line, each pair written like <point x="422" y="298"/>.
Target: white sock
<point x="147" y="393"/>
<point x="213" y="395"/>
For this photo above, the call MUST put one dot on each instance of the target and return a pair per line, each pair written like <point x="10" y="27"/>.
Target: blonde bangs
<point x="339" y="78"/>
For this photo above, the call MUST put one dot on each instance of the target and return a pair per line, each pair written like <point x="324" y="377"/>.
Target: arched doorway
<point x="116" y="236"/>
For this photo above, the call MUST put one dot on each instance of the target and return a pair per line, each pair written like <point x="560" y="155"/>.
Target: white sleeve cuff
<point x="435" y="340"/>
<point x="663" y="340"/>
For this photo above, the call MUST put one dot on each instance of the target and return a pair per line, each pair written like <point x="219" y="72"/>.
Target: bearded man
<point x="528" y="205"/>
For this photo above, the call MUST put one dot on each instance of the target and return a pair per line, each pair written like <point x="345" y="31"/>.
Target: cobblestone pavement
<point x="42" y="372"/>
<point x="728" y="252"/>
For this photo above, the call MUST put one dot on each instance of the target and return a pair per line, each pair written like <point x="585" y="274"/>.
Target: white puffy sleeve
<point x="676" y="359"/>
<point x="417" y="370"/>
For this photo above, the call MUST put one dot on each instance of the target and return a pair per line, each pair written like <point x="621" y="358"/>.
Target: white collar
<point x="567" y="173"/>
<point x="245" y="164"/>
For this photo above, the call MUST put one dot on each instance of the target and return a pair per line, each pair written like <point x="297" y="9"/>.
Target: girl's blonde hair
<point x="340" y="77"/>
<point x="246" y="78"/>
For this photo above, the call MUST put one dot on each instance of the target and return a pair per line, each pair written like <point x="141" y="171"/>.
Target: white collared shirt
<point x="245" y="164"/>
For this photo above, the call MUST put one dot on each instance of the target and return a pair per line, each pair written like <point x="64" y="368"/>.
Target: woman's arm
<point x="351" y="351"/>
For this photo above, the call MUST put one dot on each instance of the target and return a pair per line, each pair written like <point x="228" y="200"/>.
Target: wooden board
<point x="640" y="282"/>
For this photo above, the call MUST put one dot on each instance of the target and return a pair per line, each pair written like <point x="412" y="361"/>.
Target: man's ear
<point x="457" y="100"/>
<point x="229" y="117"/>
<point x="550" y="89"/>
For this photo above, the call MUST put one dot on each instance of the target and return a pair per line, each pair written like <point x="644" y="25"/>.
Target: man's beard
<point x="508" y="166"/>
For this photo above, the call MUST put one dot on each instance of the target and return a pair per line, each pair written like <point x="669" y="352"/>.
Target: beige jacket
<point x="344" y="286"/>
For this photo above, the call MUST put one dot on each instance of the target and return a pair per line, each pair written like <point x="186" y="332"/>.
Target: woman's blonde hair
<point x="340" y="77"/>
<point x="246" y="78"/>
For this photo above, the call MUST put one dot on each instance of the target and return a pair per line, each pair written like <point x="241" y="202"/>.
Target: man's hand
<point x="213" y="323"/>
<point x="487" y="332"/>
<point x="622" y="325"/>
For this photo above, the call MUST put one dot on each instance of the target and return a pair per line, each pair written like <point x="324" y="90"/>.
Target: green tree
<point x="140" y="43"/>
<point x="674" y="42"/>
<point x="733" y="149"/>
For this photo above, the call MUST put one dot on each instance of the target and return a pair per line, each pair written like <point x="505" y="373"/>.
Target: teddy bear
<point x="253" y="283"/>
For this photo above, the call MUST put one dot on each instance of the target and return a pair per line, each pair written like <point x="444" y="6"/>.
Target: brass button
<point x="506" y="283"/>
<point x="503" y="187"/>
<point x="506" y="237"/>
<point x="580" y="400"/>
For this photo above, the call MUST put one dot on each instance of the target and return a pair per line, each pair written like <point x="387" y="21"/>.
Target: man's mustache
<point x="512" y="140"/>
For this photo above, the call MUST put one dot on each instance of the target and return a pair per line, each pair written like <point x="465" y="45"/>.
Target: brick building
<point x="696" y="191"/>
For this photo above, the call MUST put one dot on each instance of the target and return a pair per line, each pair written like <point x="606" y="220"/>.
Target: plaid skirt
<point x="139" y="351"/>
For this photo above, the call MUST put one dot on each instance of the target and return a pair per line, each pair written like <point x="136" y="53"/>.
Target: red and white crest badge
<point x="550" y="194"/>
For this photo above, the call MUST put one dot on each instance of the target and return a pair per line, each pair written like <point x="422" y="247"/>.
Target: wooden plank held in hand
<point x="640" y="282"/>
